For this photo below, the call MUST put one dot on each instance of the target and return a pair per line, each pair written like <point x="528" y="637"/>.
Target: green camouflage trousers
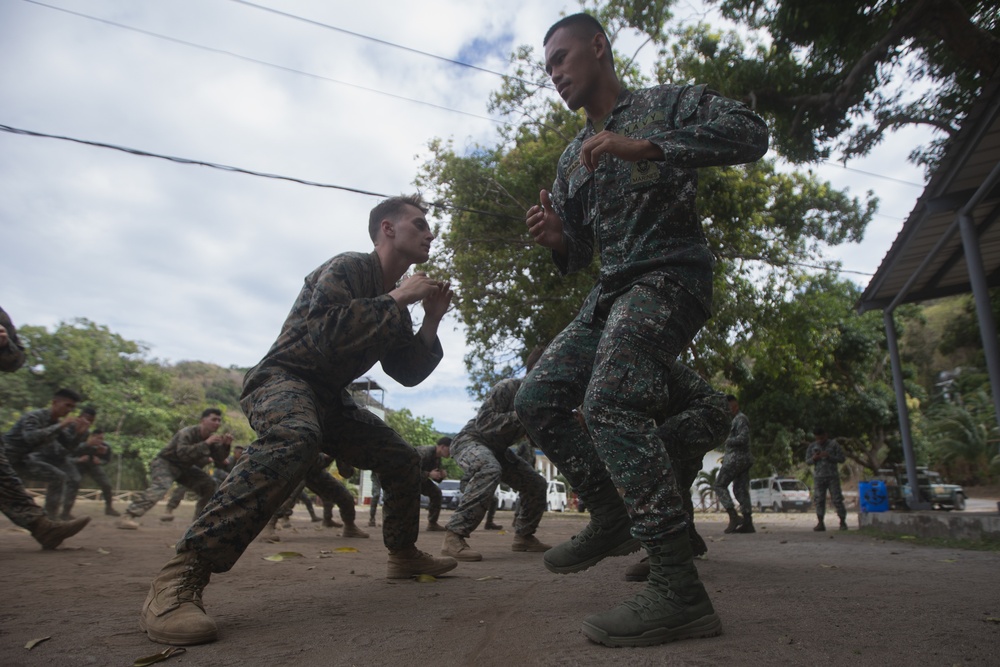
<point x="327" y="487"/>
<point x="484" y="471"/>
<point x="162" y="475"/>
<point x="294" y="422"/>
<point x="617" y="368"/>
<point x="15" y="502"/>
<point x="735" y="470"/>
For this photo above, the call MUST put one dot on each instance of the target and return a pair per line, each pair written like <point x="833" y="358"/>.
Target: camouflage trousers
<point x="616" y="367"/>
<point x="328" y="488"/>
<point x="294" y="422"/>
<point x="688" y="436"/>
<point x="15" y="502"/>
<point x="100" y="478"/>
<point x="485" y="470"/>
<point x="63" y="481"/>
<point x="376" y="495"/>
<point x="831" y="484"/>
<point x="162" y="475"/>
<point x="735" y="470"/>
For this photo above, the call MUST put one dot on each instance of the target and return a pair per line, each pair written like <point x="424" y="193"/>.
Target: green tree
<point x="839" y="75"/>
<point x="963" y="439"/>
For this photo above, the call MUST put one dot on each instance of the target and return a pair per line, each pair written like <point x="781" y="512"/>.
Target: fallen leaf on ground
<point x="158" y="657"/>
<point x="829" y="567"/>
<point x="991" y="619"/>
<point x="102" y="551"/>
<point x="283" y="555"/>
<point x="35" y="642"/>
<point x="907" y="537"/>
<point x="425" y="578"/>
<point x="346" y="550"/>
<point x="489" y="578"/>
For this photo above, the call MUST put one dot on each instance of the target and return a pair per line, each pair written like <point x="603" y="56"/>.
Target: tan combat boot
<point x="168" y="515"/>
<point x="528" y="543"/>
<point x="351" y="530"/>
<point x="411" y="562"/>
<point x="456" y="547"/>
<point x="270" y="532"/>
<point x="127" y="522"/>
<point x="50" y="534"/>
<point x="173" y="612"/>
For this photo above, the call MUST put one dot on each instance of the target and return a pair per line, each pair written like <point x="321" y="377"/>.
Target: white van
<point x="506" y="497"/>
<point x="556" y="496"/>
<point x="779" y="494"/>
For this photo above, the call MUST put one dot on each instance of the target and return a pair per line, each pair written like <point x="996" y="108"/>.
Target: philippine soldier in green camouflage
<point x="824" y="454"/>
<point x="431" y="471"/>
<point x="482" y="449"/>
<point x="349" y="315"/>
<point x="15" y="502"/>
<point x="54" y="461"/>
<point x="735" y="470"/>
<point x="90" y="459"/>
<point x="627" y="184"/>
<point x="695" y="422"/>
<point x="180" y="461"/>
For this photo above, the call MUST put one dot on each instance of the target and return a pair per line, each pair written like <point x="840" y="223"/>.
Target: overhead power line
<point x="394" y="45"/>
<point x="230" y="168"/>
<point x="212" y="49"/>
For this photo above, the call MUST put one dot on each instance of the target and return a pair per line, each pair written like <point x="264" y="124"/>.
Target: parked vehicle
<point x="556" y="496"/>
<point x="779" y="494"/>
<point x="506" y="497"/>
<point x="451" y="494"/>
<point x="932" y="489"/>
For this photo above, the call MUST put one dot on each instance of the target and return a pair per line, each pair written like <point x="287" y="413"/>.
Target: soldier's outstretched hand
<point x="436" y="304"/>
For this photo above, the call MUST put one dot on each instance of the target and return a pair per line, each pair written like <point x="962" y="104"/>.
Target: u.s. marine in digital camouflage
<point x="627" y="185"/>
<point x="349" y="315"/>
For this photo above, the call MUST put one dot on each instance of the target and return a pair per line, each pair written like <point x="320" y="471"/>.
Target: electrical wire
<point x="212" y="49"/>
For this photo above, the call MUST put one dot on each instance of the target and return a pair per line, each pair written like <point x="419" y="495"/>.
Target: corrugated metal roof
<point x="926" y="260"/>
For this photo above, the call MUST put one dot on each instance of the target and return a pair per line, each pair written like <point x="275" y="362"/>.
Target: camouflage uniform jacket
<point x="187" y="448"/>
<point x="341" y="324"/>
<point x="429" y="460"/>
<point x="738" y="442"/>
<point x="12" y="354"/>
<point x="826" y="467"/>
<point x="84" y="449"/>
<point x="642" y="214"/>
<point x="496" y="424"/>
<point x="38" y="431"/>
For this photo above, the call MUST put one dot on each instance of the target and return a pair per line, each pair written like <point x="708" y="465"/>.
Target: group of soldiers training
<point x="607" y="400"/>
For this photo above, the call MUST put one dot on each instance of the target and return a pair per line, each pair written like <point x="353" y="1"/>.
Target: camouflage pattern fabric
<point x="736" y="464"/>
<point x="826" y="467"/>
<point x="15" y="502"/>
<point x="162" y="475"/>
<point x="482" y="449"/>
<point x="11" y="354"/>
<point x="53" y="466"/>
<point x="433" y="492"/>
<point x="38" y="431"/>
<point x="831" y="484"/>
<point x="642" y="215"/>
<point x="187" y="448"/>
<point x="341" y="324"/>
<point x="618" y="368"/>
<point x="176" y="496"/>
<point x="376" y="495"/>
<point x="94" y="468"/>
<point x="330" y="490"/>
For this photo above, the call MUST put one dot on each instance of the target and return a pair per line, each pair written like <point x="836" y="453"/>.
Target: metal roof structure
<point x="927" y="259"/>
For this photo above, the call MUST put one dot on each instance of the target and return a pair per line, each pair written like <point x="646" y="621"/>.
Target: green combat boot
<point x="674" y="604"/>
<point x="173" y="612"/>
<point x="734" y="521"/>
<point x="698" y="546"/>
<point x="609" y="533"/>
<point x="640" y="571"/>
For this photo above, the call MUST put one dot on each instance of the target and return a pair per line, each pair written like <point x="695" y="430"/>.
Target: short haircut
<point x="210" y="411"/>
<point x="583" y="24"/>
<point x="69" y="394"/>
<point x="446" y="441"/>
<point x="89" y="410"/>
<point x="819" y="430"/>
<point x="97" y="431"/>
<point x="391" y="208"/>
<point x="730" y="397"/>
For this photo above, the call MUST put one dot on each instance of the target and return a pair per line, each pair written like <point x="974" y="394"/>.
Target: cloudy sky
<point x="203" y="264"/>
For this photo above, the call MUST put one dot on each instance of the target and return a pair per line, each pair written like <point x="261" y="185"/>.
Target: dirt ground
<point x="786" y="596"/>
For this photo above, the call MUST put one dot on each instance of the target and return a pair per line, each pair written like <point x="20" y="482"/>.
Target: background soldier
<point x="430" y="472"/>
<point x="376" y="496"/>
<point x="15" y="502"/>
<point x="628" y="184"/>
<point x="483" y="450"/>
<point x="180" y="461"/>
<point x="824" y="454"/>
<point x="735" y="470"/>
<point x="90" y="459"/>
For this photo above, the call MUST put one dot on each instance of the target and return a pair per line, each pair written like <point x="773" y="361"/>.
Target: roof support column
<point x="984" y="310"/>
<point x="913" y="502"/>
